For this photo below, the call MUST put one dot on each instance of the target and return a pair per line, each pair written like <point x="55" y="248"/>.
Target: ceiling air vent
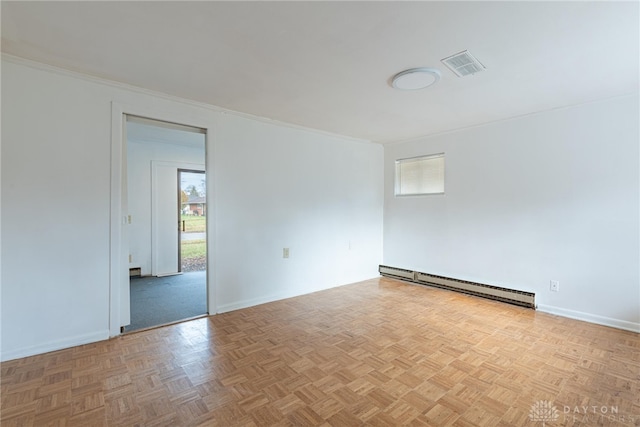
<point x="463" y="64"/>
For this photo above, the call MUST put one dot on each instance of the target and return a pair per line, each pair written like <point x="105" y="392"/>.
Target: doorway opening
<point x="193" y="225"/>
<point x="170" y="283"/>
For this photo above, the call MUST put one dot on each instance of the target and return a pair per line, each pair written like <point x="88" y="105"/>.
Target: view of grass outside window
<point x="193" y="248"/>
<point x="194" y="252"/>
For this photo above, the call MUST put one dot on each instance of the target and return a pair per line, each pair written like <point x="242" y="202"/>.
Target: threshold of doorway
<point x="162" y="325"/>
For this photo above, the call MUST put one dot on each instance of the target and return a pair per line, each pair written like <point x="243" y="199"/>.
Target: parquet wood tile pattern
<point x="378" y="353"/>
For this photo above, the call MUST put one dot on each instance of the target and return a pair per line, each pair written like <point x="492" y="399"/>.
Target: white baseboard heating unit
<point x="511" y="296"/>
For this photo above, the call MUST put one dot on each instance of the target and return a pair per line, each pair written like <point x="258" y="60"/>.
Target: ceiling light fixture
<point x="415" y="78"/>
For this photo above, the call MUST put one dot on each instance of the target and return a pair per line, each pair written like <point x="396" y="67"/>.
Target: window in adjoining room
<point x="420" y="175"/>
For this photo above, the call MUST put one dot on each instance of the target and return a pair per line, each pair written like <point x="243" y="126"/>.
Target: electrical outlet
<point x="285" y="252"/>
<point x="554" y="285"/>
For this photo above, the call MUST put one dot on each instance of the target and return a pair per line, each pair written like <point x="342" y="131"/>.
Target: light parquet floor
<point x="379" y="353"/>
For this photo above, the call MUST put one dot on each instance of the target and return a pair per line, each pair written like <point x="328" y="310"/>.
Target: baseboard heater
<point x="511" y="296"/>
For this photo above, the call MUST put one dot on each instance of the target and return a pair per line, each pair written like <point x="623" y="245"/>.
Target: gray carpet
<point x="159" y="300"/>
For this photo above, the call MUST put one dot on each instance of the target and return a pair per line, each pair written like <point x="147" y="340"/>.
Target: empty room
<point x="404" y="213"/>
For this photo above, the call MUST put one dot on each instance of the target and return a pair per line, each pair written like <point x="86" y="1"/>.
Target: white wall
<point x="272" y="186"/>
<point x="318" y="196"/>
<point x="55" y="212"/>
<point x="140" y="154"/>
<point x="550" y="196"/>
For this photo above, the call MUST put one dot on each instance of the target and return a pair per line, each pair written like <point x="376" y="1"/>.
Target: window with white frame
<point x="420" y="175"/>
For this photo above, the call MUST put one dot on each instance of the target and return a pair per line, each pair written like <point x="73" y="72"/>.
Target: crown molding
<point x="131" y="88"/>
<point x="506" y="119"/>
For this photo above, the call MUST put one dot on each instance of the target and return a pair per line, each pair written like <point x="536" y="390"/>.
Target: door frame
<point x="180" y="166"/>
<point x="119" y="303"/>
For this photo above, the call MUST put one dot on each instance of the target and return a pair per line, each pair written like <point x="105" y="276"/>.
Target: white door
<point x="164" y="219"/>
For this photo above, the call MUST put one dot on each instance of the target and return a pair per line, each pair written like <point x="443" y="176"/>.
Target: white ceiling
<point x="327" y="65"/>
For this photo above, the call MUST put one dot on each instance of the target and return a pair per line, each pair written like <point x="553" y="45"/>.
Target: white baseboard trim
<point x="238" y="305"/>
<point x="224" y="308"/>
<point x="591" y="318"/>
<point x="54" y="345"/>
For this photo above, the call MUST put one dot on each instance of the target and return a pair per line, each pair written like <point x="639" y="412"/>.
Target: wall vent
<point x="511" y="296"/>
<point x="463" y="64"/>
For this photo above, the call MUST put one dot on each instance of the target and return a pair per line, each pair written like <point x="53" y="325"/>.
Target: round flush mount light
<point x="415" y="78"/>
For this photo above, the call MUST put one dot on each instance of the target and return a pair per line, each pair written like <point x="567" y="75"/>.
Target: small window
<point x="420" y="175"/>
